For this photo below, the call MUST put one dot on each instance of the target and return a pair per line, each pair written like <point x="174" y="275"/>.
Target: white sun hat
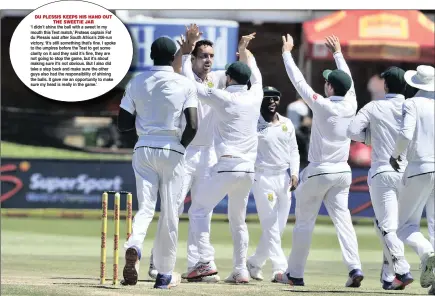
<point x="423" y="78"/>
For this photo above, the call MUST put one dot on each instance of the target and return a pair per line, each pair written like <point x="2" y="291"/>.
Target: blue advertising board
<point x="223" y="34"/>
<point x="73" y="184"/>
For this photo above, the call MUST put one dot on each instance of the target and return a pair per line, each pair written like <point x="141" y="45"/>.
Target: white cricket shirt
<point x="277" y="146"/>
<point x="329" y="143"/>
<point x="383" y="117"/>
<point x="417" y="134"/>
<point x="215" y="79"/>
<point x="158" y="98"/>
<point x="236" y="111"/>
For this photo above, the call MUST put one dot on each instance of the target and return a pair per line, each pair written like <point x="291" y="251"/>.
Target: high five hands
<point x="333" y="44"/>
<point x="243" y="53"/>
<point x="192" y="36"/>
<point x="287" y="43"/>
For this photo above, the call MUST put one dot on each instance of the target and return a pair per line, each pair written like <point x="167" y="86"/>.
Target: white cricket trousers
<point x="198" y="163"/>
<point x="158" y="170"/>
<point x="384" y="188"/>
<point x="232" y="177"/>
<point x="417" y="190"/>
<point x="272" y="196"/>
<point x="328" y="183"/>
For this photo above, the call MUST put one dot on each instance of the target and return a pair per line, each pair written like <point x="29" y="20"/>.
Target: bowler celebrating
<point x="237" y="110"/>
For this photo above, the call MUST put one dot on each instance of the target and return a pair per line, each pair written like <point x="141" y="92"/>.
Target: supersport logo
<point x="23" y="166"/>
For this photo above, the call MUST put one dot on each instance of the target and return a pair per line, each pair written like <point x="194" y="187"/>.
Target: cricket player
<point x="200" y="155"/>
<point x="328" y="176"/>
<point x="277" y="152"/>
<point x="430" y="206"/>
<point x="417" y="136"/>
<point x="378" y="124"/>
<point x="154" y="101"/>
<point x="237" y="110"/>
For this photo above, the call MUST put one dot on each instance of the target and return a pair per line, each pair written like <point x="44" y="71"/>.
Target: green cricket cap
<point x="339" y="79"/>
<point x="270" y="91"/>
<point x="240" y="72"/>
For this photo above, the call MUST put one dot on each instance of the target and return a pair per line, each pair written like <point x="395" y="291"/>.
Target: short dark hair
<point x="394" y="79"/>
<point x="199" y="44"/>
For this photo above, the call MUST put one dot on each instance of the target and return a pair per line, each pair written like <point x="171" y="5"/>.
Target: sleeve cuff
<point x="287" y="54"/>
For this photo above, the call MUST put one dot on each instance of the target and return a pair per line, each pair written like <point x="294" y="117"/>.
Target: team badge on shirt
<point x="210" y="84"/>
<point x="315" y="97"/>
<point x="284" y="128"/>
<point x="270" y="196"/>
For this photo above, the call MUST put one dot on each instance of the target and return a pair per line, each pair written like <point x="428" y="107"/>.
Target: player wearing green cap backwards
<point x="328" y="176"/>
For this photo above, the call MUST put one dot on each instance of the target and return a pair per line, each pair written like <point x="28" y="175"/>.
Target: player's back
<point x="159" y="97"/>
<point x="421" y="148"/>
<point x="236" y="128"/>
<point x="329" y="142"/>
<point x="385" y="119"/>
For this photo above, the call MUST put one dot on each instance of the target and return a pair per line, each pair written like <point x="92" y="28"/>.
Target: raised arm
<point x="333" y="44"/>
<point x="186" y="68"/>
<point x="245" y="56"/>
<point x="256" y="78"/>
<point x="295" y="75"/>
<point x="192" y="35"/>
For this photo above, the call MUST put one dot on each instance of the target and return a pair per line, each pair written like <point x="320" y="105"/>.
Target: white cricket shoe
<point x="152" y="271"/>
<point x="254" y="271"/>
<point x="238" y="277"/>
<point x="278" y="274"/>
<point x="207" y="279"/>
<point x="202" y="270"/>
<point x="427" y="276"/>
<point x="432" y="290"/>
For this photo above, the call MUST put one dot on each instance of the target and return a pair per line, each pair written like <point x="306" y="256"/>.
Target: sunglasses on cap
<point x="275" y="98"/>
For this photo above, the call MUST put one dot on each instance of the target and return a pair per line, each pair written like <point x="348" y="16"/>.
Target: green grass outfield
<point x="61" y="257"/>
<point x="26" y="151"/>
